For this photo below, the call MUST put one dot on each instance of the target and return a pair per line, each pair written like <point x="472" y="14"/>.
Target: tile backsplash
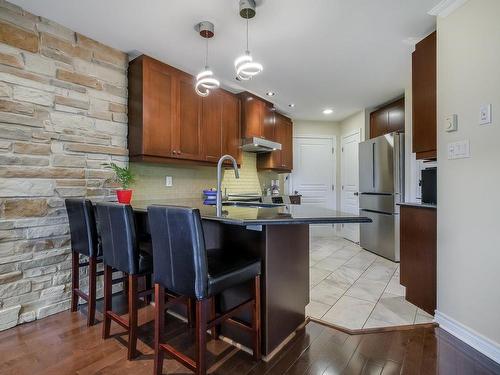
<point x="189" y="182"/>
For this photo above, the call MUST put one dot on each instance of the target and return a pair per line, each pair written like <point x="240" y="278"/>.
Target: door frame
<point x="333" y="138"/>
<point x="358" y="131"/>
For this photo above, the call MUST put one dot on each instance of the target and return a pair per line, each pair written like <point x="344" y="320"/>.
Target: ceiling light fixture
<point x="270" y="93"/>
<point x="291" y="105"/>
<point x="327" y="111"/>
<point x="245" y="67"/>
<point x="205" y="80"/>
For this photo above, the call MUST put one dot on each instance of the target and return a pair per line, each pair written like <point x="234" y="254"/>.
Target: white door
<point x="314" y="171"/>
<point x="313" y="176"/>
<point x="349" y="177"/>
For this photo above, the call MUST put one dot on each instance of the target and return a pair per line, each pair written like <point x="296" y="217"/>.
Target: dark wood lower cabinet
<point x="418" y="256"/>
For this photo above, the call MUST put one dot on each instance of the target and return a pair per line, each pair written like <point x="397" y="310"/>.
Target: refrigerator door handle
<point x="373" y="165"/>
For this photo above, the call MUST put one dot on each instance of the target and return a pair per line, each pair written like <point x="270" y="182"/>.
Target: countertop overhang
<point x="248" y="216"/>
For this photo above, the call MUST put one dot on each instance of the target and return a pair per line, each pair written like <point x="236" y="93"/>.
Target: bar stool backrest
<point x="116" y="227"/>
<point x="179" y="255"/>
<point x="82" y="227"/>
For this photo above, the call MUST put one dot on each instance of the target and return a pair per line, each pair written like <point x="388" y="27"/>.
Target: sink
<point x="251" y="204"/>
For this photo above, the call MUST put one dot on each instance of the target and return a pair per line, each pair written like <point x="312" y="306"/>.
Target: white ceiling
<point x="342" y="54"/>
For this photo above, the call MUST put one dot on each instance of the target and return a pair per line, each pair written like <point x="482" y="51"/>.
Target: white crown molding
<point x="445" y="7"/>
<point x="472" y="338"/>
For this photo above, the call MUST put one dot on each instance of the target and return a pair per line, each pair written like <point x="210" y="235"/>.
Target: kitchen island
<point x="279" y="236"/>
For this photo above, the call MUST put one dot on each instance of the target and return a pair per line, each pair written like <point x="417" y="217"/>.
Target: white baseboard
<point x="472" y="338"/>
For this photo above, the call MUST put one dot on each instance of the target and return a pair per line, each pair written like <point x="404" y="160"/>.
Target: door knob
<point x="356" y="193"/>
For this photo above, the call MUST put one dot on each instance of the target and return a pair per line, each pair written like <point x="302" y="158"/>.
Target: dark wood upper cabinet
<point x="257" y="117"/>
<point x="211" y="126"/>
<point x="231" y="137"/>
<point x="169" y="122"/>
<point x="187" y="133"/>
<point x="279" y="160"/>
<point x="424" y="91"/>
<point x="390" y="118"/>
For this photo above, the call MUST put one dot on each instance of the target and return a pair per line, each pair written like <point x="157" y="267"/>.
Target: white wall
<point x="468" y="200"/>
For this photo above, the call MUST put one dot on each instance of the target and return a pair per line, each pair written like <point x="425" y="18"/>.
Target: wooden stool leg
<point x="108" y="283"/>
<point x="149" y="286"/>
<point x="75" y="279"/>
<point x="159" y="327"/>
<point x="92" y="291"/>
<point x="201" y="337"/>
<point x="215" y="329"/>
<point x="132" y="316"/>
<point x="125" y="283"/>
<point x="256" y="320"/>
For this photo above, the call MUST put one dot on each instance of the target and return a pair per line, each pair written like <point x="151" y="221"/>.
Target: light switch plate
<point x="485" y="114"/>
<point x="459" y="150"/>
<point x="451" y="123"/>
<point x="168" y="181"/>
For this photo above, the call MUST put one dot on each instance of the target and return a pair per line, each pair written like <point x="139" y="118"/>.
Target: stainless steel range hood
<point x="255" y="144"/>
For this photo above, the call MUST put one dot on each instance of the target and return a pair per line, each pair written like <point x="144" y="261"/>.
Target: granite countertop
<point x="418" y="204"/>
<point x="284" y="214"/>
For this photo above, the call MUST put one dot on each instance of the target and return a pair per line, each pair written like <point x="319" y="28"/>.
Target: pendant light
<point x="245" y="67"/>
<point x="205" y="80"/>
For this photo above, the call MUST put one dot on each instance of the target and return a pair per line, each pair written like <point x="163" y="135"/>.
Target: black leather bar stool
<point x="84" y="240"/>
<point x="121" y="251"/>
<point x="183" y="265"/>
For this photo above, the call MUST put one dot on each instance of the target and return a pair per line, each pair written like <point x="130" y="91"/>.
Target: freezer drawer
<point x="379" y="202"/>
<point x="381" y="236"/>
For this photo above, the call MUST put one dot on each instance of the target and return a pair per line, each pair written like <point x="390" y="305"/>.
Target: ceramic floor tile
<point x="346" y="274"/>
<point x="330" y="263"/>
<point x="317" y="309"/>
<point x="394" y="310"/>
<point x="379" y="272"/>
<point x="394" y="287"/>
<point x="420" y="319"/>
<point x="365" y="289"/>
<point x="349" y="312"/>
<point x="346" y="253"/>
<point x="328" y="291"/>
<point x="374" y="323"/>
<point x="361" y="261"/>
<point x="316" y="275"/>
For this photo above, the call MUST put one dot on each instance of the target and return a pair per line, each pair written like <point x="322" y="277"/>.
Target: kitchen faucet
<point x="219" y="180"/>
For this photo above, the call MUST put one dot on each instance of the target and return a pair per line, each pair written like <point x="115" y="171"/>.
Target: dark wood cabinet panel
<point x="268" y="122"/>
<point x="187" y="138"/>
<point x="418" y="264"/>
<point x="279" y="160"/>
<point x="231" y="125"/>
<point x="211" y="126"/>
<point x="424" y="92"/>
<point x="390" y="118"/>
<point x="252" y="112"/>
<point x="169" y="122"/>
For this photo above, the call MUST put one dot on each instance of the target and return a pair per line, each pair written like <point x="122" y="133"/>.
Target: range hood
<point x="255" y="144"/>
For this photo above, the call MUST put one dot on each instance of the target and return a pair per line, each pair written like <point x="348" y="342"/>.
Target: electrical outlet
<point x="168" y="181"/>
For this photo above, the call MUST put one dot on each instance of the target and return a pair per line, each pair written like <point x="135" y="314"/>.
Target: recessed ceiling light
<point x="291" y="105"/>
<point x="327" y="111"/>
<point x="270" y="93"/>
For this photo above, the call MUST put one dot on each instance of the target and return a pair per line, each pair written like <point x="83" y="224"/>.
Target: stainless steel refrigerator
<point x="381" y="187"/>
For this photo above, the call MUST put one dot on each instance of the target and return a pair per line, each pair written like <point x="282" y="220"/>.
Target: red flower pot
<point x="124" y="196"/>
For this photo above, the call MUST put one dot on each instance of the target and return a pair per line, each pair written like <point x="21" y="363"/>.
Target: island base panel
<point x="284" y="250"/>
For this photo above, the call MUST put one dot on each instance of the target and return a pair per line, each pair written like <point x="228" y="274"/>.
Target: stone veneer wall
<point x="63" y="112"/>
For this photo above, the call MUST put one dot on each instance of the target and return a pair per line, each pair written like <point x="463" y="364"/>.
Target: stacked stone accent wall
<point x="63" y="113"/>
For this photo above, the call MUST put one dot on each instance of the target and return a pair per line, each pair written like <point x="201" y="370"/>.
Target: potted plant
<point x="125" y="178"/>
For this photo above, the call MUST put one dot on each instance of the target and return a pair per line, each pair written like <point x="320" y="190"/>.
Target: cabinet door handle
<point x="174" y="152"/>
<point x="179" y="152"/>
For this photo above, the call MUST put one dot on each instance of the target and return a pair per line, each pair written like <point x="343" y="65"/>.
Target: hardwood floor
<point x="63" y="344"/>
